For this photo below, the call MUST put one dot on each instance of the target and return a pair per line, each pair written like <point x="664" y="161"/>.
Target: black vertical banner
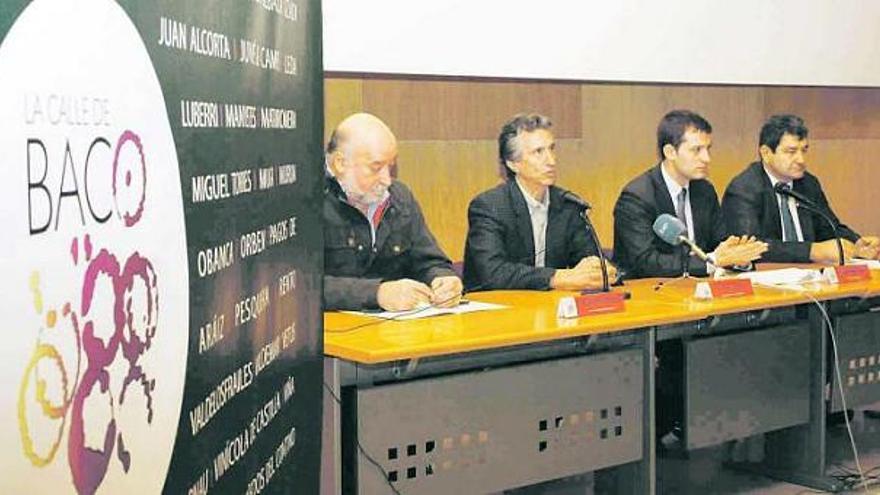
<point x="161" y="166"/>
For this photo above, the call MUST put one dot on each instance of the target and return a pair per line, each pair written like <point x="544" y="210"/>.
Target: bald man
<point x="378" y="251"/>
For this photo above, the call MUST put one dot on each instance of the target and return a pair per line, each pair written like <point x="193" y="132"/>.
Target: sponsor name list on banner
<point x="160" y="174"/>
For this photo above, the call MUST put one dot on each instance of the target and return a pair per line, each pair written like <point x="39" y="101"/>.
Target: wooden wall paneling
<point x="844" y="128"/>
<point x="850" y="177"/>
<point x="619" y="125"/>
<point x="444" y="176"/>
<point x="606" y="136"/>
<point x="454" y="110"/>
<point x="342" y="97"/>
<point x="736" y="114"/>
<point x="619" y="140"/>
<point x="831" y="113"/>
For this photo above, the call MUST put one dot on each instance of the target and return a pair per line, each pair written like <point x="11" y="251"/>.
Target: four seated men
<point x="528" y="233"/>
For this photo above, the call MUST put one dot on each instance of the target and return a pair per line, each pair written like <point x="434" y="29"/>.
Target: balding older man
<point x="378" y="251"/>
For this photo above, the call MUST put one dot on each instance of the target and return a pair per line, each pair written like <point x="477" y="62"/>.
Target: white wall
<point x="799" y="42"/>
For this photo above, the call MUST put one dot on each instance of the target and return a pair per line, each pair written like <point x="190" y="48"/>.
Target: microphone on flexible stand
<point x="809" y="205"/>
<point x="584" y="206"/>
<point x="674" y="232"/>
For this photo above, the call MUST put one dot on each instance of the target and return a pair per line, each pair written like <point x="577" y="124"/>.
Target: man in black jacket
<point x="378" y="250"/>
<point x="752" y="207"/>
<point x="676" y="186"/>
<point x="523" y="234"/>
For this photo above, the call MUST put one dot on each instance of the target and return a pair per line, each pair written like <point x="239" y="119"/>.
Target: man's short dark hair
<point x="780" y="125"/>
<point x="508" y="145"/>
<point x="674" y="124"/>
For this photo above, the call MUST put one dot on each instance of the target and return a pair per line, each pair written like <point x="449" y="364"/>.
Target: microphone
<point x="809" y="205"/>
<point x="781" y="188"/>
<point x="584" y="206"/>
<point x="674" y="232"/>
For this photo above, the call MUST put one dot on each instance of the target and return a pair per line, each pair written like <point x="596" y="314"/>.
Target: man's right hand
<point x="868" y="248"/>
<point x="403" y="295"/>
<point x="587" y="274"/>
<point x="826" y="251"/>
<point x="739" y="251"/>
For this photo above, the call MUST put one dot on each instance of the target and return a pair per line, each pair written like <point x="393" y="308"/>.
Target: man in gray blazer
<point x="527" y="233"/>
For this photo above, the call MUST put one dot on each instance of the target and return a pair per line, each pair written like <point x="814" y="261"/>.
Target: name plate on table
<point x="590" y="304"/>
<point x="733" y="287"/>
<point x="846" y="273"/>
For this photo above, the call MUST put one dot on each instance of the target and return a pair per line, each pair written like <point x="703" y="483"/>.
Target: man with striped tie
<point x="755" y="202"/>
<point x="378" y="250"/>
<point x="677" y="186"/>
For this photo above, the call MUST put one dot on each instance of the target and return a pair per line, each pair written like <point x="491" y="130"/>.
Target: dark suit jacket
<point x="751" y="207"/>
<point x="404" y="248"/>
<point x="638" y="251"/>
<point x="500" y="247"/>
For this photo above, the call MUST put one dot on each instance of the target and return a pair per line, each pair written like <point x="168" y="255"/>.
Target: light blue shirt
<point x="538" y="215"/>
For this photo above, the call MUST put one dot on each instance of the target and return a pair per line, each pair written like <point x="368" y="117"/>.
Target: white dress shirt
<point x="674" y="191"/>
<point x="538" y="215"/>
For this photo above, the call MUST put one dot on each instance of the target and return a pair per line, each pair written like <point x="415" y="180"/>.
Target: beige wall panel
<point x="619" y="126"/>
<point x="831" y="113"/>
<point x="444" y="176"/>
<point x="736" y="114"/>
<point x="606" y="136"/>
<point x="342" y="97"/>
<point x="445" y="110"/>
<point x="851" y="178"/>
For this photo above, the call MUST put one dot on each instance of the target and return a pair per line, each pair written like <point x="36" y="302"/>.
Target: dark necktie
<point x="789" y="232"/>
<point x="681" y="201"/>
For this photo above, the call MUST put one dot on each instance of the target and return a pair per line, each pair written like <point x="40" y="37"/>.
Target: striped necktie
<point x="789" y="232"/>
<point x="681" y="201"/>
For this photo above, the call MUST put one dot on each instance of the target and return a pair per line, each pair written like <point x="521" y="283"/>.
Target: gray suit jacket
<point x="500" y="247"/>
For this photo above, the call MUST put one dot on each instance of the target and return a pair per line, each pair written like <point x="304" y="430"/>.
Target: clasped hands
<point x="867" y="247"/>
<point x="587" y="274"/>
<point x="406" y="294"/>
<point x="738" y="251"/>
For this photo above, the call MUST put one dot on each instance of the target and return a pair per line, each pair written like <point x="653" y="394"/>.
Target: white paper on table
<point x="871" y="264"/>
<point x="428" y="311"/>
<point x="788" y="277"/>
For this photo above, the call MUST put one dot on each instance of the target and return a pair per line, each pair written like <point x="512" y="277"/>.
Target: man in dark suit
<point x="752" y="207"/>
<point x="523" y="234"/>
<point x="676" y="186"/>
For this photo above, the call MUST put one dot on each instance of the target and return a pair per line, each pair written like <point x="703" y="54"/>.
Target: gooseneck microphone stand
<point x="584" y="208"/>
<point x="808" y="205"/>
<point x="603" y="263"/>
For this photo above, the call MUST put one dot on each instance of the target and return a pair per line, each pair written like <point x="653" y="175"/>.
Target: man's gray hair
<point x="508" y="144"/>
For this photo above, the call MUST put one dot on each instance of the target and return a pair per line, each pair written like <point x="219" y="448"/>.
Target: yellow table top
<point x="530" y="317"/>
